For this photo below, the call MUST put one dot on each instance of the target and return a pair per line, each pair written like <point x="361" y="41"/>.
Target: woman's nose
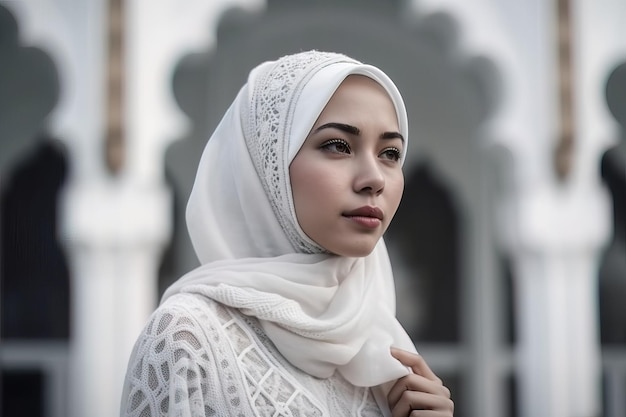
<point x="370" y="177"/>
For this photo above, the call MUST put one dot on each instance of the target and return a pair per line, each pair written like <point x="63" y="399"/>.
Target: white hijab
<point x="324" y="313"/>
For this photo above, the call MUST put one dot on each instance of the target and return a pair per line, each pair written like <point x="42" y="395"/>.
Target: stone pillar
<point x="555" y="261"/>
<point x="115" y="233"/>
<point x="555" y="229"/>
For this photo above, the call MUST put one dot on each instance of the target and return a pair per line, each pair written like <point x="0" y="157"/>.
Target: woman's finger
<point x="420" y="394"/>
<point x="414" y="382"/>
<point x="415" y="362"/>
<point x="412" y="401"/>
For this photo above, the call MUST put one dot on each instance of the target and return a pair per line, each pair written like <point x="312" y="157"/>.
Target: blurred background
<point x="509" y="247"/>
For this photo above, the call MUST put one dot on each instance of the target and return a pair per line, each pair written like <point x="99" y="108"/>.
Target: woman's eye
<point x="336" y="146"/>
<point x="393" y="154"/>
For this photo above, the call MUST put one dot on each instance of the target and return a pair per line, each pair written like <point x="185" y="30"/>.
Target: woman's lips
<point x="366" y="216"/>
<point x="369" y="222"/>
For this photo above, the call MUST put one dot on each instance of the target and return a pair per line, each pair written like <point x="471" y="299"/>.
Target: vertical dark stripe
<point x="114" y="143"/>
<point x="564" y="151"/>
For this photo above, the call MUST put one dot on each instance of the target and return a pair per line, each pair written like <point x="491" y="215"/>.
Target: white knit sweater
<point x="197" y="358"/>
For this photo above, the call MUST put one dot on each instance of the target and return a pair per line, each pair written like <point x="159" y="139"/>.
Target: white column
<point x="555" y="231"/>
<point x="555" y="265"/>
<point x="115" y="233"/>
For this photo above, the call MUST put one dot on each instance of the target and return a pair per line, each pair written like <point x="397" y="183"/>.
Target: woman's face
<point x="346" y="179"/>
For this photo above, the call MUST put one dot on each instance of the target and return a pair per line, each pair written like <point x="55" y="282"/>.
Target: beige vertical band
<point x="115" y="132"/>
<point x="564" y="151"/>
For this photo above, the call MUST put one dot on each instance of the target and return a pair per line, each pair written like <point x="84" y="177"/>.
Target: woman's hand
<point x="420" y="394"/>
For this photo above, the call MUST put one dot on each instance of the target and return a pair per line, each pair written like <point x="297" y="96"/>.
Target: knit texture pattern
<point x="197" y="357"/>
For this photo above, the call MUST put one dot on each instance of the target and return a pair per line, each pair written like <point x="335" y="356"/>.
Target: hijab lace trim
<point x="268" y="124"/>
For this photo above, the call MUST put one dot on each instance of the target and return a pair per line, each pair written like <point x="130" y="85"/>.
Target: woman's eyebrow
<point x="353" y="130"/>
<point x="392" y="135"/>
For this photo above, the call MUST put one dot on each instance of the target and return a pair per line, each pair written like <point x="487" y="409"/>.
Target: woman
<point x="292" y="311"/>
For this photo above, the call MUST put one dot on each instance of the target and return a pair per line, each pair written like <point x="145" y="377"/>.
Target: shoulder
<point x="183" y="350"/>
<point x="183" y="325"/>
<point x="187" y="327"/>
<point x="183" y="313"/>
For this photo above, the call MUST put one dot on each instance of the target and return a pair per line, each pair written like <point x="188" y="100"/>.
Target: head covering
<point x="325" y="313"/>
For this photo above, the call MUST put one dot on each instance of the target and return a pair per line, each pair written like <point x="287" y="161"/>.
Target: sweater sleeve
<point x="180" y="368"/>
